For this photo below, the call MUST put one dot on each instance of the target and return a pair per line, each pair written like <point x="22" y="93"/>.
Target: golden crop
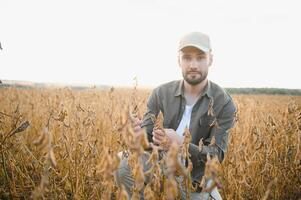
<point x="64" y="144"/>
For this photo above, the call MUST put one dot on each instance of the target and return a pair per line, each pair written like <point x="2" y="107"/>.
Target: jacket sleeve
<point x="152" y="109"/>
<point x="225" y="120"/>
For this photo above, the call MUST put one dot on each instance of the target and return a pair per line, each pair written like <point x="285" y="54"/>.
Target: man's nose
<point x="193" y="64"/>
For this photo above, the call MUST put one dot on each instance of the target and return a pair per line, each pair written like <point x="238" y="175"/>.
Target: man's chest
<point x="200" y="119"/>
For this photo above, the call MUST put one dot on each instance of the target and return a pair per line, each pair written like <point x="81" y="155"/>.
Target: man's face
<point x="194" y="64"/>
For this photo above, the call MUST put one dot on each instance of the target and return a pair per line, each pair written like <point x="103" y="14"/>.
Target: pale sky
<point x="255" y="43"/>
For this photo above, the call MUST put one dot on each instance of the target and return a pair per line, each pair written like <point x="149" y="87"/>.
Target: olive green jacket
<point x="169" y="99"/>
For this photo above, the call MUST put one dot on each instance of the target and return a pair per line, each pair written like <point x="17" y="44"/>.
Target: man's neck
<point x="195" y="90"/>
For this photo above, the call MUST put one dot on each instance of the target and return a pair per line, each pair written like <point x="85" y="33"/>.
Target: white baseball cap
<point x="195" y="39"/>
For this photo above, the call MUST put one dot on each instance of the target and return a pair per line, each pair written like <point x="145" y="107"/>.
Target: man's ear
<point x="210" y="59"/>
<point x="179" y="60"/>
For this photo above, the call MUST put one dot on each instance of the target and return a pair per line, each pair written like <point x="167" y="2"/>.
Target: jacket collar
<point x="179" y="91"/>
<point x="179" y="88"/>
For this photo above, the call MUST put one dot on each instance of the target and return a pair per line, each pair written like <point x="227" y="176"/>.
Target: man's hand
<point x="136" y="124"/>
<point x="159" y="137"/>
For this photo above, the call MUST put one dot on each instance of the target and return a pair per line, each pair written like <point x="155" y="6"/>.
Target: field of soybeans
<point x="63" y="144"/>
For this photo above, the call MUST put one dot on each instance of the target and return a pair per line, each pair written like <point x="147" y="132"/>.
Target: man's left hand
<point x="173" y="137"/>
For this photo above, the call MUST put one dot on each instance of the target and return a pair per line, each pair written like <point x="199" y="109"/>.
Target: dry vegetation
<point x="63" y="144"/>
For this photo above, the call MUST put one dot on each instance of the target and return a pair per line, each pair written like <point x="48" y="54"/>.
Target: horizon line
<point x="87" y="85"/>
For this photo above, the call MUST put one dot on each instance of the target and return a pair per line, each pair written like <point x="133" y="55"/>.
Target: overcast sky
<point x="255" y="43"/>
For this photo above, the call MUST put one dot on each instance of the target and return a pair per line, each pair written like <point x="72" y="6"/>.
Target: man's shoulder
<point x="168" y="87"/>
<point x="170" y="84"/>
<point x="219" y="94"/>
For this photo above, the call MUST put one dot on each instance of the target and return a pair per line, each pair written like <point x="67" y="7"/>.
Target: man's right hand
<point x="136" y="124"/>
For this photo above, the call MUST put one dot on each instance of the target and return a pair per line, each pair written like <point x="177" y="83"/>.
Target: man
<point x="195" y="103"/>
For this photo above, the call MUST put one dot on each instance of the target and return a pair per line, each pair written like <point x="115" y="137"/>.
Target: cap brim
<point x="205" y="49"/>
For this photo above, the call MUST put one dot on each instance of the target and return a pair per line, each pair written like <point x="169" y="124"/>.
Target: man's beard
<point x="194" y="80"/>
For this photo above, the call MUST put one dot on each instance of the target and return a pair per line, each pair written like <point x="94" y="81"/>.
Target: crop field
<point x="64" y="144"/>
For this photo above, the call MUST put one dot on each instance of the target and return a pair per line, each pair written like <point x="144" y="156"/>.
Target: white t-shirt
<point x="185" y="121"/>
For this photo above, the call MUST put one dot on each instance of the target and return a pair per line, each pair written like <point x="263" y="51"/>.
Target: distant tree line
<point x="271" y="91"/>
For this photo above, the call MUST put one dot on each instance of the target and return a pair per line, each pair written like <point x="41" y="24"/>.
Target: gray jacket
<point x="169" y="99"/>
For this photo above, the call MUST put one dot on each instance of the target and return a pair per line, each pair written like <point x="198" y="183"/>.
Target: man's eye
<point x="201" y="57"/>
<point x="186" y="58"/>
